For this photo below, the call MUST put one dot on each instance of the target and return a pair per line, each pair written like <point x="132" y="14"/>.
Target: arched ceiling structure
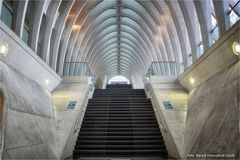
<point x="119" y="37"/>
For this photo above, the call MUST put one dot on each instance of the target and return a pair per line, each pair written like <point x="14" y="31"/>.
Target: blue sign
<point x="71" y="104"/>
<point x="167" y="105"/>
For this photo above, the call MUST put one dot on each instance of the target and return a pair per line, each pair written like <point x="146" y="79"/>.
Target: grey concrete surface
<point x="19" y="53"/>
<point x="212" y="118"/>
<point x="30" y="126"/>
<point x="173" y="120"/>
<point x="69" y="120"/>
<point x="38" y="125"/>
<point x="2" y="119"/>
<point x="25" y="95"/>
<point x="213" y="61"/>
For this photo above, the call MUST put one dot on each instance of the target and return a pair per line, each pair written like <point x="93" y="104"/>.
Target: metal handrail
<point x="163" y="124"/>
<point x="162" y="68"/>
<point x="72" y="69"/>
<point x="78" y="69"/>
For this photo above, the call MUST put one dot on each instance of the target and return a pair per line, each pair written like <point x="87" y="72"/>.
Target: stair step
<point x="116" y="129"/>
<point x="107" y="107"/>
<point x="120" y="115"/>
<point x="124" y="147"/>
<point x="122" y="96"/>
<point x="120" y="142"/>
<point x="120" y="122"/>
<point x="119" y="104"/>
<point x="118" y="112"/>
<point x="120" y="100"/>
<point x="119" y="118"/>
<point x="120" y="109"/>
<point x="84" y="125"/>
<point x="143" y="97"/>
<point x="120" y="133"/>
<point x="111" y="137"/>
<point x="119" y="152"/>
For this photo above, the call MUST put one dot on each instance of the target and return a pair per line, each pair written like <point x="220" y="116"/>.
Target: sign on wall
<point x="72" y="105"/>
<point x="167" y="105"/>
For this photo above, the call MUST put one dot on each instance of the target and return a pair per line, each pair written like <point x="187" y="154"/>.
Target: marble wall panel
<point x="30" y="129"/>
<point x="25" y="95"/>
<point x="212" y="116"/>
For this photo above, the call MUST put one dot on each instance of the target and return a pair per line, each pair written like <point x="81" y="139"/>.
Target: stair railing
<point x="162" y="123"/>
<point x="79" y="118"/>
<point x="78" y="69"/>
<point x="161" y="69"/>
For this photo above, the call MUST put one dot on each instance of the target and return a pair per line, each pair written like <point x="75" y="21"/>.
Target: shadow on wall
<point x="2" y="99"/>
<point x="1" y="106"/>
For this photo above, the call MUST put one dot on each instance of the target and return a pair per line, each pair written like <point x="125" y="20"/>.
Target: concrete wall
<point x="212" y="127"/>
<point x="172" y="121"/>
<point x="69" y="121"/>
<point x="36" y="124"/>
<point x="25" y="61"/>
<point x="213" y="112"/>
<point x="29" y="125"/>
<point x="2" y="118"/>
<point x="218" y="57"/>
<point x="137" y="82"/>
<point x="105" y="82"/>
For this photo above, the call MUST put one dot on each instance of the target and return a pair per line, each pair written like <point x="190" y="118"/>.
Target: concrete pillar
<point x="19" y="12"/>
<point x="105" y="82"/>
<point x="35" y="23"/>
<point x="187" y="8"/>
<point x="204" y="13"/>
<point x="52" y="15"/>
<point x="133" y="82"/>
<point x="1" y="1"/>
<point x="223" y="19"/>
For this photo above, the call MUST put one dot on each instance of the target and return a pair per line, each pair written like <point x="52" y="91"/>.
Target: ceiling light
<point x="236" y="48"/>
<point x="160" y="29"/>
<point x="4" y="49"/>
<point x="192" y="80"/>
<point x="71" y="16"/>
<point x="165" y="18"/>
<point x="158" y="38"/>
<point x="76" y="26"/>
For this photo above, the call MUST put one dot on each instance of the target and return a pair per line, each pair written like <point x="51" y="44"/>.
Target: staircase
<point x="120" y="124"/>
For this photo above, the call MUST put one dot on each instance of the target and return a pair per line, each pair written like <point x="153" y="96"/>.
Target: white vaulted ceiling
<point x="120" y="37"/>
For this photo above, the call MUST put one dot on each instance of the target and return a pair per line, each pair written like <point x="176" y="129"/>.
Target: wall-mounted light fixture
<point x="192" y="80"/>
<point x="3" y="49"/>
<point x="236" y="48"/>
<point x="46" y="81"/>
